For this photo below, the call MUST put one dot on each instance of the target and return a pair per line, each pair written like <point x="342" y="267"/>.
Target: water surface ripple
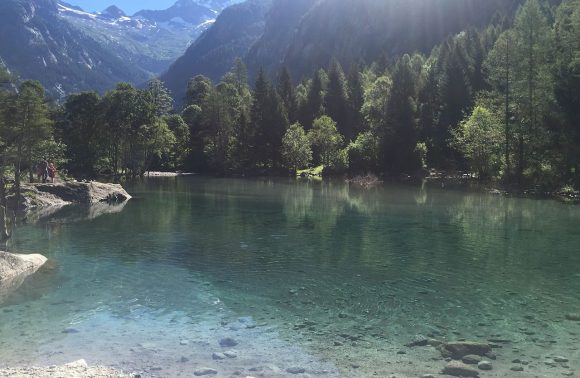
<point x="321" y="275"/>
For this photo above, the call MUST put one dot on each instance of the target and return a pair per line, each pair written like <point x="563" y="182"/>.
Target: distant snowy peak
<point x="187" y="10"/>
<point x="217" y="5"/>
<point x="73" y="11"/>
<point x="113" y="12"/>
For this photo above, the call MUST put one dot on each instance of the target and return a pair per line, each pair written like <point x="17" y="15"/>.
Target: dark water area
<point x="331" y="273"/>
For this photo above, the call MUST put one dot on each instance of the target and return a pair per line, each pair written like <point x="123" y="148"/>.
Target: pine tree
<point x="286" y="92"/>
<point x="26" y="125"/>
<point x="400" y="138"/>
<point x="337" y="100"/>
<point x="533" y="86"/>
<point x="314" y="106"/>
<point x="198" y="89"/>
<point x="160" y="98"/>
<point x="356" y="98"/>
<point x="500" y="66"/>
<point x="259" y="118"/>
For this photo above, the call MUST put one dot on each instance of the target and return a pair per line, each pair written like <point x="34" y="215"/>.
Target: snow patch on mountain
<point x="64" y="10"/>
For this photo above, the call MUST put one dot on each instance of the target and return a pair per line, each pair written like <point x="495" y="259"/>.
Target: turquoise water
<point x="331" y="278"/>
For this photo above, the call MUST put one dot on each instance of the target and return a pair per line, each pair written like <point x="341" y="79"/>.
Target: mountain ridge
<point x="306" y="35"/>
<point x="95" y="50"/>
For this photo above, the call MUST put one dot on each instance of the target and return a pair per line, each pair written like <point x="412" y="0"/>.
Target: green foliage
<point x="400" y="135"/>
<point x="479" y="138"/>
<point x="328" y="143"/>
<point x="337" y="100"/>
<point x="502" y="100"/>
<point x="296" y="149"/>
<point x="81" y="130"/>
<point x="25" y="127"/>
<point x="160" y="98"/>
<point x="363" y="153"/>
<point x="376" y="101"/>
<point x="421" y="151"/>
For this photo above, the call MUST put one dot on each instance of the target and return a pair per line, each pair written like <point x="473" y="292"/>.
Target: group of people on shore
<point x="46" y="170"/>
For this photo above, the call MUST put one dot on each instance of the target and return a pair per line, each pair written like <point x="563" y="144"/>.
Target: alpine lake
<point x="297" y="279"/>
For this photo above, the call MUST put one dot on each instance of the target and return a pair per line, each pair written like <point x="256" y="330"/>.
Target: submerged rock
<point x="471" y="359"/>
<point x="418" y="341"/>
<point x="205" y="371"/>
<point x="459" y="369"/>
<point x="459" y="349"/>
<point x="485" y="365"/>
<point x="228" y="342"/>
<point x="230" y="354"/>
<point x="296" y="370"/>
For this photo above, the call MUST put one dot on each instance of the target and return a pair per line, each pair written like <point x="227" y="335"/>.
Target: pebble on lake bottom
<point x="296" y="370"/>
<point x="205" y="371"/>
<point x="484" y="365"/>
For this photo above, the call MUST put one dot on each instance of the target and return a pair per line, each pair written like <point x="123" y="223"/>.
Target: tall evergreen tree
<point x="82" y="133"/>
<point x="337" y="100"/>
<point x="259" y="116"/>
<point x="567" y="89"/>
<point x="356" y="98"/>
<point x="26" y="125"/>
<point x="160" y="97"/>
<point x="455" y="96"/>
<point x="314" y="106"/>
<point x="286" y="92"/>
<point x="198" y="89"/>
<point x="500" y="66"/>
<point x="400" y="137"/>
<point x="533" y="86"/>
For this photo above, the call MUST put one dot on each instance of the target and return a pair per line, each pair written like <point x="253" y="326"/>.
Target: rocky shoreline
<point x="60" y="194"/>
<point x="168" y="174"/>
<point x="75" y="369"/>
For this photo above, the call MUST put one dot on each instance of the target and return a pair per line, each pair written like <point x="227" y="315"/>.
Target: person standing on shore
<point x="42" y="170"/>
<point x="51" y="171"/>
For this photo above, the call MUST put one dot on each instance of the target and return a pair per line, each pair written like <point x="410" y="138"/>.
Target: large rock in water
<point x="15" y="268"/>
<point x="459" y="349"/>
<point x="459" y="369"/>
<point x="60" y="194"/>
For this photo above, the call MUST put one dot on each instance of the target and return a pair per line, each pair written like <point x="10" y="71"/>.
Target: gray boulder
<point x="459" y="349"/>
<point x="15" y="268"/>
<point x="60" y="194"/>
<point x="459" y="369"/>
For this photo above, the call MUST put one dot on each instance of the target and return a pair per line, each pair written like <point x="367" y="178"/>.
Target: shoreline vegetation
<point x="499" y="102"/>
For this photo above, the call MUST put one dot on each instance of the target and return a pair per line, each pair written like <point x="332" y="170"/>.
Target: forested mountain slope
<point x="305" y="35"/>
<point x="235" y="31"/>
<point x="37" y="44"/>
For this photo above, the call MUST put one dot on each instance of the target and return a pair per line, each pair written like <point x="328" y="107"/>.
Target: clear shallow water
<point x="335" y="279"/>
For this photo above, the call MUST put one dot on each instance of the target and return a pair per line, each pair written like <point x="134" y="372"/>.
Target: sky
<point x="128" y="6"/>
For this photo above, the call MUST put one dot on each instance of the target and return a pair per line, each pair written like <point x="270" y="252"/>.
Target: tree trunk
<point x="507" y="113"/>
<point x="17" y="174"/>
<point x="3" y="225"/>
